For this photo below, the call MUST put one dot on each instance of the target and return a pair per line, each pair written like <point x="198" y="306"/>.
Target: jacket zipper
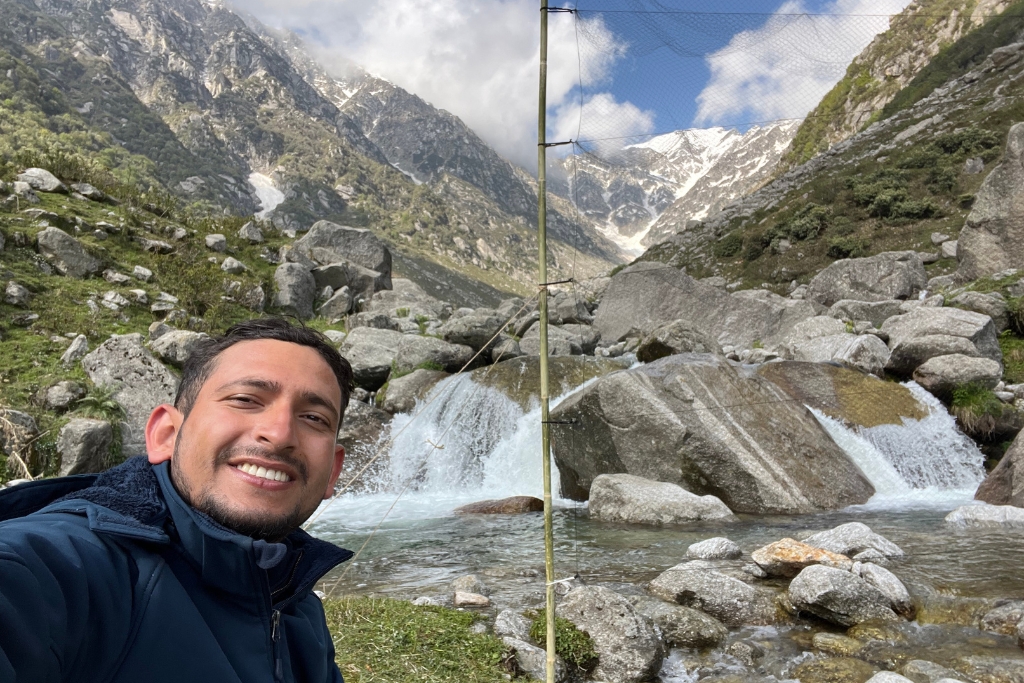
<point x="275" y="636"/>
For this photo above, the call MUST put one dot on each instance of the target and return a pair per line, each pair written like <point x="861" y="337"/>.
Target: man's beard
<point x="253" y="524"/>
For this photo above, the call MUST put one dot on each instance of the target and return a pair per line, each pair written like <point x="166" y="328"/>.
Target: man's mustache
<point x="265" y="453"/>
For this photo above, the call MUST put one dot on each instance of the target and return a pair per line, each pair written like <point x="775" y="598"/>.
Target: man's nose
<point x="275" y="426"/>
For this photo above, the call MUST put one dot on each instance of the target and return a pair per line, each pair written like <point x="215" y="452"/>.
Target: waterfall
<point x="921" y="462"/>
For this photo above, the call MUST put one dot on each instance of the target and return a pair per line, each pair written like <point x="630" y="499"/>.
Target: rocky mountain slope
<point x="916" y="35"/>
<point x="648" y="190"/>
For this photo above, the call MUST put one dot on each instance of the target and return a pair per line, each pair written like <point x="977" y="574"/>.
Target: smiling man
<point x="189" y="565"/>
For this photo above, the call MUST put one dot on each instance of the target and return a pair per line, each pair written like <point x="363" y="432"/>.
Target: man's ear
<point x="162" y="432"/>
<point x="339" y="460"/>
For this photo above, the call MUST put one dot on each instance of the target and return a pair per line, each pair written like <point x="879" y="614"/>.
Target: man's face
<point x="257" y="451"/>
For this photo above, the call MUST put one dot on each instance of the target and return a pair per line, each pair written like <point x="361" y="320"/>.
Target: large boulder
<point x="477" y="329"/>
<point x="711" y="426"/>
<point x="986" y="516"/>
<point x="718" y="548"/>
<point x="84" y="446"/>
<point x="853" y="538"/>
<point x="992" y="304"/>
<point x="674" y="337"/>
<point x="683" y="626"/>
<point x="888" y="585"/>
<point x="865" y="352"/>
<point x="885" y="276"/>
<point x="646" y="295"/>
<point x="875" y="312"/>
<point x="296" y="290"/>
<point x="66" y="253"/>
<point x="430" y="352"/>
<point x="139" y="380"/>
<point x="41" y="180"/>
<point x="1005" y="484"/>
<point x="992" y="238"/>
<point x="561" y="342"/>
<point x="926" y="332"/>
<point x="328" y="242"/>
<point x="403" y="392"/>
<point x="838" y="596"/>
<point x="371" y="353"/>
<point x="625" y="498"/>
<point x="706" y="586"/>
<point x="176" y="346"/>
<point x="628" y="647"/>
<point x="408" y="297"/>
<point x="361" y="282"/>
<point x="942" y="374"/>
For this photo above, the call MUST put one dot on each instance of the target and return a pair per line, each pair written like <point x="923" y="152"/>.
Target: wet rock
<point x="471" y="600"/>
<point x="513" y="505"/>
<point x="885" y="276"/>
<point x="702" y="585"/>
<point x="470" y="583"/>
<point x="533" y="660"/>
<point x="626" y="498"/>
<point x="251" y="233"/>
<point x="836" y="644"/>
<point x="771" y="457"/>
<point x="1005" y="484"/>
<point x="74" y="353"/>
<point x="430" y="352"/>
<point x="714" y="549"/>
<point x="888" y="585"/>
<point x="923" y="671"/>
<point x="175" y="346"/>
<point x="518" y="378"/>
<point x="513" y="624"/>
<point x="403" y="392"/>
<point x="991" y="668"/>
<point x="627" y="645"/>
<point x="1004" y="618"/>
<point x="888" y="677"/>
<point x="424" y="601"/>
<point x="361" y="430"/>
<point x="682" y="626"/>
<point x="982" y="516"/>
<point x="834" y="670"/>
<point x="993" y="305"/>
<point x="62" y="395"/>
<point x="674" y="337"/>
<point x="66" y="253"/>
<point x="296" y="290"/>
<point x="926" y="326"/>
<point x="992" y="238"/>
<point x="41" y="180"/>
<point x="788" y="557"/>
<point x="838" y="596"/>
<point x="852" y="538"/>
<point x="16" y="295"/>
<point x="747" y="652"/>
<point x="217" y="242"/>
<point x="942" y="374"/>
<point x="140" y="382"/>
<point x="84" y="446"/>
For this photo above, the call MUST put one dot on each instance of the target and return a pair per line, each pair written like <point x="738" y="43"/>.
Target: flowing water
<point x="472" y="443"/>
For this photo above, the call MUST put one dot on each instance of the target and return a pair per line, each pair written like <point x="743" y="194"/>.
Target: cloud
<point x="475" y="58"/>
<point x="783" y="69"/>
<point x="604" y="119"/>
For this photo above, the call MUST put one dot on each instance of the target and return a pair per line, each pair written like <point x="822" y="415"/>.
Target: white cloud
<point x="475" y="58"/>
<point x="603" y="119"/>
<point x="784" y="68"/>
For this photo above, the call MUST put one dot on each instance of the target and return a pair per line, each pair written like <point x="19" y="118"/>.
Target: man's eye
<point x="318" y="418"/>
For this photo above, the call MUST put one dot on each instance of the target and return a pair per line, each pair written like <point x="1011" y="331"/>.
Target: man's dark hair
<point x="203" y="359"/>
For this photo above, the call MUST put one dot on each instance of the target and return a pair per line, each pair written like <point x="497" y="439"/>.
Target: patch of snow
<point x="266" y="192"/>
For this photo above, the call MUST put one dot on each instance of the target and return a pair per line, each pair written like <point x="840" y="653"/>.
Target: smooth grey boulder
<point x="216" y="242"/>
<point x="628" y="648"/>
<point x="838" y="596"/>
<point x="993" y="305"/>
<point x="470" y="583"/>
<point x="888" y="585"/>
<point x="885" y="276"/>
<point x="140" y="381"/>
<point x="362" y="282"/>
<point x="986" y="516"/>
<point x="377" y="320"/>
<point x="942" y="374"/>
<point x="909" y="355"/>
<point x="717" y="548"/>
<point x="704" y="585"/>
<point x="583" y="335"/>
<point x="1004" y="618"/>
<point x="16" y="295"/>
<point x="646" y="294"/>
<point x="533" y="660"/>
<point x="865" y="352"/>
<point x="674" y="337"/>
<point x="66" y="254"/>
<point x="635" y="500"/>
<point x="1005" y="484"/>
<point x="432" y="353"/>
<point x="475" y="330"/>
<point x="371" y="352"/>
<point x="565" y="308"/>
<point x="41" y="180"/>
<point x="505" y="348"/>
<point x="76" y="352"/>
<point x="296" y="290"/>
<point x="175" y="346"/>
<point x="675" y="420"/>
<point x="408" y="297"/>
<point x="90" y="192"/>
<point x="251" y="232"/>
<point x="682" y="626"/>
<point x="992" y="238"/>
<point x="853" y="538"/>
<point x="875" y="312"/>
<point x="328" y="242"/>
<point x="925" y="326"/>
<point x="84" y="446"/>
<point x="561" y="342"/>
<point x="338" y="306"/>
<point x="511" y="623"/>
<point x="62" y="395"/>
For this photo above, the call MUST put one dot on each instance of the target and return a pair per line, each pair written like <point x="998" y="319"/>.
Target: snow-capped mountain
<point x="651" y="189"/>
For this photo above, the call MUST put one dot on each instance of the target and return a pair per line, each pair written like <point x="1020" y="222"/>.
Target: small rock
<point x="471" y="600"/>
<point x="114" y="277"/>
<point x="938" y="238"/>
<point x="250" y="232"/>
<point x="74" y="353"/>
<point x="175" y="346"/>
<point x="682" y="626"/>
<point x="16" y="295"/>
<point x="748" y="653"/>
<point x="470" y="583"/>
<point x="84" y="446"/>
<point x="836" y="644"/>
<point x="534" y="660"/>
<point x="974" y="166"/>
<point x="888" y="585"/>
<point x="788" y="557"/>
<point x="852" y="538"/>
<point x="233" y="266"/>
<point x="948" y="249"/>
<point x="838" y="596"/>
<point x="139" y="296"/>
<point x="888" y="677"/>
<point x="424" y="601"/>
<point x="1004" y="618"/>
<point x="62" y="395"/>
<point x="701" y="585"/>
<point x="114" y="301"/>
<point x="714" y="549"/>
<point x="156" y="246"/>
<point x="923" y="671"/>
<point x="216" y="242"/>
<point x="158" y="329"/>
<point x="41" y="180"/>
<point x="142" y="273"/>
<point x="513" y="624"/>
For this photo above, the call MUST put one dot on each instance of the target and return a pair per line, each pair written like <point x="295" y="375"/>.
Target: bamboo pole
<point x="549" y="552"/>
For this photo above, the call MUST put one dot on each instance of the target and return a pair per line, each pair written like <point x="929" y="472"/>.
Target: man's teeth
<point x="256" y="471"/>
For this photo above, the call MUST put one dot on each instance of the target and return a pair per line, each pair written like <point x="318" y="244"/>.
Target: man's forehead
<point x="285" y="364"/>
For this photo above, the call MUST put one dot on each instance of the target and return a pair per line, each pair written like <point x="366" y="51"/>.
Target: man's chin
<point x="258" y="524"/>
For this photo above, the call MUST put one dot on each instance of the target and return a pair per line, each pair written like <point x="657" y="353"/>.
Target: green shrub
<point x="846" y="247"/>
<point x="943" y="178"/>
<point x="977" y="409"/>
<point x="728" y="246"/>
<point x="571" y="644"/>
<point x="754" y="250"/>
<point x="1013" y="356"/>
<point x="914" y="209"/>
<point x="1015" y="311"/>
<point x="402" y="312"/>
<point x="967" y="142"/>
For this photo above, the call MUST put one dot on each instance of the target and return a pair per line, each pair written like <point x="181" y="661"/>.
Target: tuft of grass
<point x="977" y="410"/>
<point x="571" y="644"/>
<point x="1013" y="357"/>
<point x="402" y="312"/>
<point x="392" y="641"/>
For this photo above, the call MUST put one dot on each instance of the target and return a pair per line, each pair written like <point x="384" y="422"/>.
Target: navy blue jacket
<point x="115" y="579"/>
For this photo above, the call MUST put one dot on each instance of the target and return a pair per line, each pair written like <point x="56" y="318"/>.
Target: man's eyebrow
<point x="253" y="383"/>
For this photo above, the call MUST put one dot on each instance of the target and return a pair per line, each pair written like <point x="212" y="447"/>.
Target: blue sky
<point x="731" y="62"/>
